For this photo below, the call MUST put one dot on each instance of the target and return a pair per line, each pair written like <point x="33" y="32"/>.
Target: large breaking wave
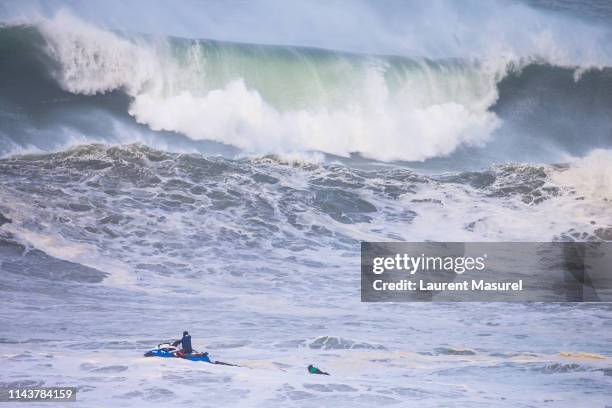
<point x="70" y="82"/>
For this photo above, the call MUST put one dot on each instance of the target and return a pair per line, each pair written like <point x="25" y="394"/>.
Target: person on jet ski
<point x="185" y="343"/>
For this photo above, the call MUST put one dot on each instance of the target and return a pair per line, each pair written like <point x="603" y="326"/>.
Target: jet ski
<point x="167" y="350"/>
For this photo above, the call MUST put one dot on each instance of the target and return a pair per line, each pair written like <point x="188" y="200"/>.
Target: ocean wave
<point x="279" y="99"/>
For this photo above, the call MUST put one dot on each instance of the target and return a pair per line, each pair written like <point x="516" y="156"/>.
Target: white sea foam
<point x="251" y="257"/>
<point x="590" y="176"/>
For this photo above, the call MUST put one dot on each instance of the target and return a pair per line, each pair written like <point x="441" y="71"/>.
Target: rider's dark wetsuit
<point x="185" y="343"/>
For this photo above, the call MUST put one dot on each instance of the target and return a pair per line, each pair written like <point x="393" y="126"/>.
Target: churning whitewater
<point x="258" y="257"/>
<point x="152" y="183"/>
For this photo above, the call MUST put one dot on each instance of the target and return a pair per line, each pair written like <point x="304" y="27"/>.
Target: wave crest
<point x="384" y="108"/>
<point x="261" y="99"/>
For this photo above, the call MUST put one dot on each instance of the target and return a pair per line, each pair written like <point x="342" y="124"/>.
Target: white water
<point x="260" y="291"/>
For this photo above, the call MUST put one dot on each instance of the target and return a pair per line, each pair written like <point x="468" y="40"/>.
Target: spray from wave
<point x="590" y="177"/>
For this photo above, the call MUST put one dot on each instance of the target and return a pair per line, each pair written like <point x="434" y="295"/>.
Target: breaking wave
<point x="84" y="84"/>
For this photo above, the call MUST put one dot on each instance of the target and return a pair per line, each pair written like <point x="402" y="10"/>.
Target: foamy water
<point x="258" y="259"/>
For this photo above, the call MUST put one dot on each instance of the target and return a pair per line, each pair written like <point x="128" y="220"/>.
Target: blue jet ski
<point x="169" y="351"/>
